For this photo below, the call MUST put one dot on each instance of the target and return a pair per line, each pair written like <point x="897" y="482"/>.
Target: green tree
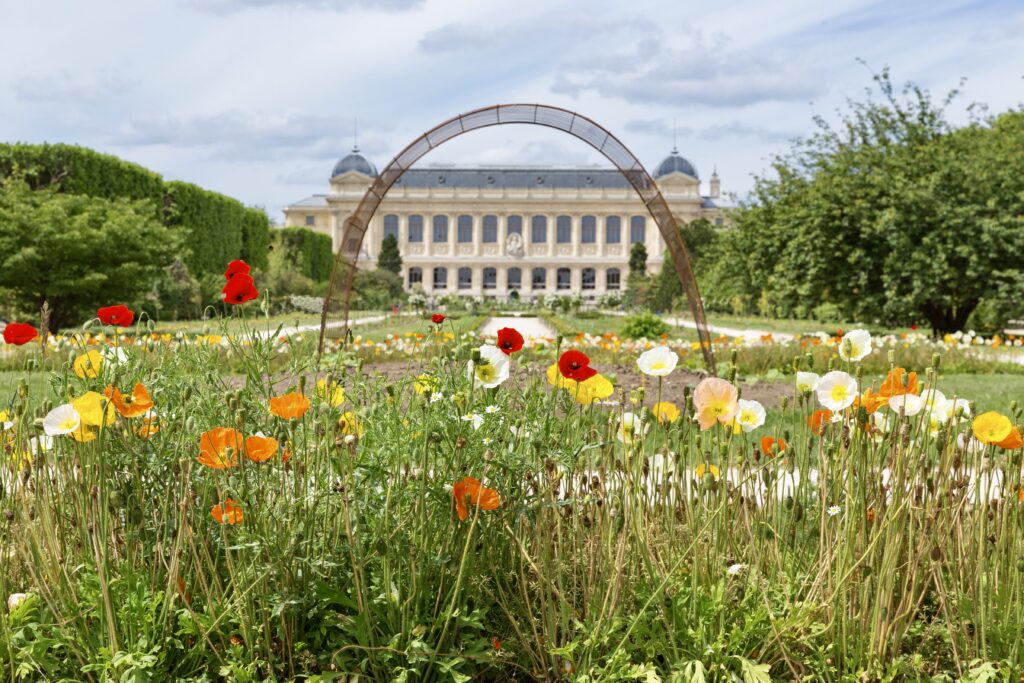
<point x="376" y="289"/>
<point x="78" y="252"/>
<point x="389" y="258"/>
<point x="700" y="237"/>
<point x="177" y="295"/>
<point x="638" y="259"/>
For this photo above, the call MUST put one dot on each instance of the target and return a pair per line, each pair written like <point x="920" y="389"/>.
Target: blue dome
<point x="674" y="163"/>
<point x="354" y="162"/>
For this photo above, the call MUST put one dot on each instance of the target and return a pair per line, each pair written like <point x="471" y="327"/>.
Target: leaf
<point x="754" y="672"/>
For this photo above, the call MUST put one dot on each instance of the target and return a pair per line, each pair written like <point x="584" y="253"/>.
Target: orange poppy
<point x="871" y="401"/>
<point x="130" y="405"/>
<point x="1013" y="441"/>
<point x="897" y="383"/>
<point x="148" y="428"/>
<point x="219" y="447"/>
<point x="485" y="498"/>
<point x="818" y="421"/>
<point x="772" y="447"/>
<point x="260" y="448"/>
<point x="290" y="406"/>
<point x="228" y="512"/>
<point x="871" y="516"/>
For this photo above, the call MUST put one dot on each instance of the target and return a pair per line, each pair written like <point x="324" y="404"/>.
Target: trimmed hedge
<point x="218" y="228"/>
<point x="309" y="251"/>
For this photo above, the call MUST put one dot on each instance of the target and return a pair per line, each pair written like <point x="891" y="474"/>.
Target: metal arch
<point x="345" y="261"/>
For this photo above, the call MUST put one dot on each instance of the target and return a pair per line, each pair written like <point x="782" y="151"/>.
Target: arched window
<point x="588" y="230"/>
<point x="490" y="229"/>
<point x="589" y="278"/>
<point x="490" y="278"/>
<point x="612" y="229"/>
<point x="515" y="278"/>
<point x="440" y="229"/>
<point x="415" y="228"/>
<point x="514" y="224"/>
<point x="465" y="228"/>
<point x="465" y="278"/>
<point x="539" y="229"/>
<point x="440" y="278"/>
<point x="563" y="230"/>
<point x="637" y="229"/>
<point x="391" y="225"/>
<point x="564" y="278"/>
<point x="539" y="279"/>
<point x="612" y="278"/>
<point x="415" y="276"/>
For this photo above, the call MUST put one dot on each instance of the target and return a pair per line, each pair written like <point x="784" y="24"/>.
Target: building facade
<point x="492" y="231"/>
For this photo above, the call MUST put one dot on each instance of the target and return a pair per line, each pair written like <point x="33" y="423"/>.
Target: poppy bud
<point x="733" y="356"/>
<point x="302" y="384"/>
<point x="935" y="360"/>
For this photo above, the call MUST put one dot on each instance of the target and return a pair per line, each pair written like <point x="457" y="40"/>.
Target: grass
<point x="790" y="326"/>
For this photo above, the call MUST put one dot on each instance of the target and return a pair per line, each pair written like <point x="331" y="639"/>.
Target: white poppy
<point x="906" y="404"/>
<point x="836" y="390"/>
<point x="475" y="418"/>
<point x="856" y="344"/>
<point x="658" y="362"/>
<point x="40" y="444"/>
<point x="806" y="381"/>
<point x="631" y="427"/>
<point x="5" y="421"/>
<point x="750" y="415"/>
<point x="62" y="420"/>
<point x="957" y="405"/>
<point x="491" y="370"/>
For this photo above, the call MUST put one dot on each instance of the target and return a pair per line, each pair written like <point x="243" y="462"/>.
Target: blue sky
<point x="256" y="98"/>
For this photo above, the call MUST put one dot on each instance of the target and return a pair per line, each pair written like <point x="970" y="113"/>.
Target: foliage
<point x="700" y="237"/>
<point x="177" y="295"/>
<point x="638" y="259"/>
<point x="73" y="251"/>
<point x="389" y="258"/>
<point x="307" y="252"/>
<point x="377" y="289"/>
<point x="644" y="325"/>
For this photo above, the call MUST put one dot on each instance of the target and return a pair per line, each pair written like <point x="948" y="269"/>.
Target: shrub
<point x="644" y="325"/>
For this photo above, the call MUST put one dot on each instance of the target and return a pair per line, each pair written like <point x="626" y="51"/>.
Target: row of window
<point x="514" y="224"/>
<point x="514" y="278"/>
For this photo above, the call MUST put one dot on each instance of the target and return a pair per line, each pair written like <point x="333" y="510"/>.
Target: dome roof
<point x="674" y="163"/>
<point x="354" y="162"/>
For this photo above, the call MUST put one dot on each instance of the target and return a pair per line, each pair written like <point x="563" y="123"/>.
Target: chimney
<point x="716" y="188"/>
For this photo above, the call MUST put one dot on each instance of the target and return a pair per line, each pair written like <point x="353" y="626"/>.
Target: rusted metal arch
<point x="345" y="262"/>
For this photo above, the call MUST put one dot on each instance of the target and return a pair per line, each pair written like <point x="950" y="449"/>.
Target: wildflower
<point x="855" y="346"/>
<point x="836" y="390"/>
<point x="94" y="411"/>
<point x="772" y="447"/>
<point x="236" y="267"/>
<point x="870" y="401"/>
<point x="5" y="420"/>
<point x="991" y="428"/>
<point x="491" y="410"/>
<point x="658" y="362"/>
<point x="219" y="448"/>
<point x="871" y="516"/>
<point x="120" y="315"/>
<point x="150" y="425"/>
<point x="631" y="428"/>
<point x="575" y="365"/>
<point x="906" y="404"/>
<point x="715" y="400"/>
<point x="806" y="382"/>
<point x="475" y="418"/>
<point x="487" y="441"/>
<point x="88" y="364"/>
<point x="40" y="444"/>
<point x="292" y="405"/>
<point x="426" y="383"/>
<point x="735" y="569"/>
<point x="131" y="405"/>
<point x="484" y="498"/>
<point x="436" y="396"/>
<point x="491" y="370"/>
<point x="61" y="420"/>
<point x="239" y="289"/>
<point x="350" y="425"/>
<point x="665" y="412"/>
<point x="833" y="510"/>
<point x="437" y="318"/>
<point x="898" y="382"/>
<point x="19" y="334"/>
<point x="259" y="448"/>
<point x="495" y="643"/>
<point x="228" y="512"/>
<point x="15" y="600"/>
<point x="333" y="393"/>
<point x="1013" y="441"/>
<point x="749" y="416"/>
<point x="818" y="419"/>
<point x="509" y="340"/>
<point x="704" y="468"/>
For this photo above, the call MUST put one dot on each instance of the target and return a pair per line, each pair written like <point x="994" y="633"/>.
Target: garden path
<point x="531" y="327"/>
<point x="747" y="333"/>
<point x="299" y="329"/>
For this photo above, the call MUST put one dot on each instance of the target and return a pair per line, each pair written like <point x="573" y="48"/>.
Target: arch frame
<point x="346" y="259"/>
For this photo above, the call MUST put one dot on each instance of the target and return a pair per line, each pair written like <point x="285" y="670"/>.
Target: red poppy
<point x="19" y="333"/>
<point x="236" y="267"/>
<point x="575" y="365"/>
<point x="437" y="318"/>
<point x="239" y="289"/>
<point x="495" y="643"/>
<point x="119" y="315"/>
<point x="509" y="340"/>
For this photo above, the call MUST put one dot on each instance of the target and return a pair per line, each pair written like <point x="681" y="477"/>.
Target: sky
<point x="259" y="98"/>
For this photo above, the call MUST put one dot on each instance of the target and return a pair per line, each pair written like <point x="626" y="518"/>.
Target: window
<point x="310" y="220"/>
<point x="440" y="229"/>
<point x="588" y="230"/>
<point x="637" y="229"/>
<point x="612" y="229"/>
<point x="490" y="229"/>
<point x="564" y="278"/>
<point x="391" y="225"/>
<point x="563" y="229"/>
<point x="540" y="278"/>
<point x="589" y="278"/>
<point x="515" y="278"/>
<point x="539" y="229"/>
<point x="465" y="228"/>
<point x="611" y="278"/>
<point x="415" y="276"/>
<point x="440" y="278"/>
<point x="490" y="278"/>
<point x="465" y="278"/>
<point x="514" y="224"/>
<point x="415" y="228"/>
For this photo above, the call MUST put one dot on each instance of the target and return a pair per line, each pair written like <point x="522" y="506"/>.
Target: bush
<point x="376" y="289"/>
<point x="644" y="325"/>
<point x="303" y="250"/>
<point x="177" y="295"/>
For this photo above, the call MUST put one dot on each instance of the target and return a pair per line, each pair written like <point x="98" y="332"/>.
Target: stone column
<point x="600" y="228"/>
<point x="335" y="236"/>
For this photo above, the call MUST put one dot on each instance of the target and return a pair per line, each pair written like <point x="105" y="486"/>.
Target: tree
<point x="638" y="259"/>
<point x="699" y="236"/>
<point x="79" y="252"/>
<point x="389" y="258"/>
<point x="376" y="289"/>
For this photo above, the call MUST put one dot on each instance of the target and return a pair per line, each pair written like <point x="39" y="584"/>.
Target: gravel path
<point x="530" y="327"/>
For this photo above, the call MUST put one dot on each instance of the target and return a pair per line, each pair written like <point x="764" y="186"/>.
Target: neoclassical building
<point x="491" y="231"/>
